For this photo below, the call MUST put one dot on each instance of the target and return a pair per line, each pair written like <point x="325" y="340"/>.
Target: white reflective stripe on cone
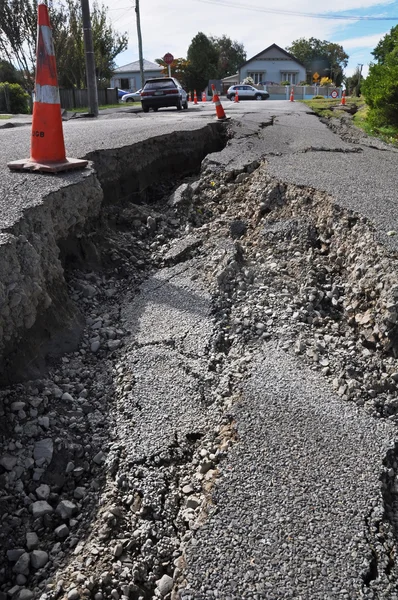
<point x="48" y="94"/>
<point x="47" y="34"/>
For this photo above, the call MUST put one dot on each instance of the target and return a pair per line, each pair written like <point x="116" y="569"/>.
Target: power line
<point x="295" y="13"/>
<point x="121" y="16"/>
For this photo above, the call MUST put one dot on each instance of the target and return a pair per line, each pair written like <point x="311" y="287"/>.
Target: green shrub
<point x="13" y="99"/>
<point x="303" y="83"/>
<point x="380" y="89"/>
<point x="285" y="83"/>
<point x="318" y="97"/>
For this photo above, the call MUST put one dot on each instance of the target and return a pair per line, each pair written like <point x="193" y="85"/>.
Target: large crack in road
<point x="226" y="427"/>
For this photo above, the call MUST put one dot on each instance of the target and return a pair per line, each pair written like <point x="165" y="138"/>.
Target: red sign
<point x="168" y="58"/>
<point x="334" y="94"/>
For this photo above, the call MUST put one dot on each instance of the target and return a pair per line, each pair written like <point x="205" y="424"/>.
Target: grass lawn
<point x="5" y="117"/>
<point x="387" y="134"/>
<point x="322" y="108"/>
<point x="124" y="105"/>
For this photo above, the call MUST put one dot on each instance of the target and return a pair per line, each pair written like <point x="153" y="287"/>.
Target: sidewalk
<point x="19" y="120"/>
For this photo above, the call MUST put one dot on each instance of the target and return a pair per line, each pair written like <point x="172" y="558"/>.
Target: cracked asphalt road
<point x="293" y="493"/>
<point x="170" y="326"/>
<point x="299" y="492"/>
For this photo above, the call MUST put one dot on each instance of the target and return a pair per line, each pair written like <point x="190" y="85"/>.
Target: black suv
<point x="162" y="92"/>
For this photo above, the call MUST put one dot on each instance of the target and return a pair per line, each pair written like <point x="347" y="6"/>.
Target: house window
<point x="290" y="77"/>
<point x="257" y="77"/>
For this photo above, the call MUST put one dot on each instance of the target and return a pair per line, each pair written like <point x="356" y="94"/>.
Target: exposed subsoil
<point x="89" y="513"/>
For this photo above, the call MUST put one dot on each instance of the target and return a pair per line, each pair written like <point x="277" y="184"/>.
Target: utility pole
<point x="359" y="80"/>
<point x="141" y="58"/>
<point x="90" y="60"/>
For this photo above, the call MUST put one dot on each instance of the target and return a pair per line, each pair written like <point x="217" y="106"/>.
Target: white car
<point x="132" y="97"/>
<point x="246" y="92"/>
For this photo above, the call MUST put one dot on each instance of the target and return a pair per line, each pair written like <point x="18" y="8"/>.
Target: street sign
<point x="334" y="94"/>
<point x="168" y="58"/>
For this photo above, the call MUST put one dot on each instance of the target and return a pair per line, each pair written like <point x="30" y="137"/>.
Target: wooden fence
<point x="71" y="99"/>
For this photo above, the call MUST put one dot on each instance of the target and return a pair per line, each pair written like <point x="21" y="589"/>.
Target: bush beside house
<point x="13" y="99"/>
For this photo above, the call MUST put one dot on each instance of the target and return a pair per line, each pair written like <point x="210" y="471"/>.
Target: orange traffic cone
<point x="221" y="116"/>
<point x="236" y="99"/>
<point x="343" y="100"/>
<point x="195" y="98"/>
<point x="189" y="97"/>
<point x="292" y="95"/>
<point x="203" y="96"/>
<point x="47" y="151"/>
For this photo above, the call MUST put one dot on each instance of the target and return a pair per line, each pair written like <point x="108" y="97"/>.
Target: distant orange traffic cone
<point x="343" y="100"/>
<point x="236" y="99"/>
<point x="47" y="151"/>
<point x="189" y="97"/>
<point x="292" y="95"/>
<point x="221" y="116"/>
<point x="195" y="98"/>
<point x="203" y="96"/>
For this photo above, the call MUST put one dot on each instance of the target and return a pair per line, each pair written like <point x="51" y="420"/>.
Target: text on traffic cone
<point x="47" y="151"/>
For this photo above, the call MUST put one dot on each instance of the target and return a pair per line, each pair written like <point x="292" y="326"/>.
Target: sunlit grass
<point x="85" y="109"/>
<point x="321" y="107"/>
<point x="388" y="134"/>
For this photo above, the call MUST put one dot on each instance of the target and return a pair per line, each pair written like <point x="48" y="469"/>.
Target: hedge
<point x="13" y="99"/>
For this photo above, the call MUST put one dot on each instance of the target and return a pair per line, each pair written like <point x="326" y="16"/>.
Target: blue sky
<point x="170" y="26"/>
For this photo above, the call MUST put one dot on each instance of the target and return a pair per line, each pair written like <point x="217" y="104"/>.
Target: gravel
<point x="226" y="427"/>
<point x="291" y="525"/>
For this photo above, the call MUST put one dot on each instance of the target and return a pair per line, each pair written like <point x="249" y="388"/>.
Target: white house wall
<point x="273" y="67"/>
<point x="134" y="78"/>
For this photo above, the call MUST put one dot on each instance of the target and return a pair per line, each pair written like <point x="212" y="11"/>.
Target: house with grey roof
<point x="273" y="65"/>
<point x="128" y="77"/>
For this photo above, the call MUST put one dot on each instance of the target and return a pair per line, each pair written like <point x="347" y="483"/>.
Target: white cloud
<point x="170" y="27"/>
<point x="366" y="41"/>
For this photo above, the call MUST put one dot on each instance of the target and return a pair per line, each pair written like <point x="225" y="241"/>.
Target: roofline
<point x="266" y="49"/>
<point x="122" y="66"/>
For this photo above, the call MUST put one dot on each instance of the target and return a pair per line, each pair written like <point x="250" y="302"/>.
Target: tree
<point x="386" y="45"/>
<point x="208" y="58"/>
<point x="18" y="29"/>
<point x="353" y="83"/>
<point x="18" y="26"/>
<point x="325" y="58"/>
<point x="231" y="55"/>
<point x="202" y="62"/>
<point x="380" y="89"/>
<point x="8" y="73"/>
<point x="69" y="44"/>
<point x="178" y="69"/>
